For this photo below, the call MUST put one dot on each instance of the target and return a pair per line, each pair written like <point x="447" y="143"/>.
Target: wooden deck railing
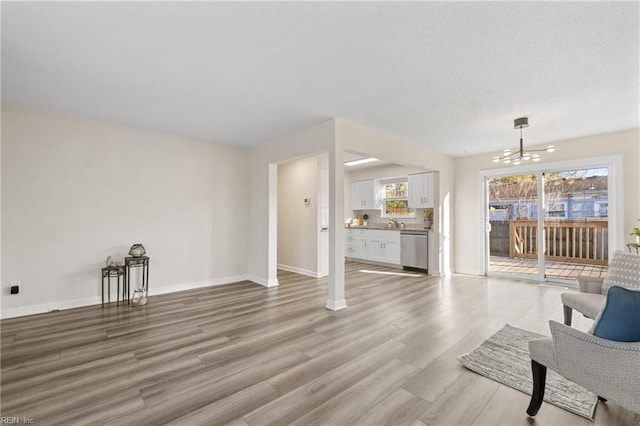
<point x="565" y="241"/>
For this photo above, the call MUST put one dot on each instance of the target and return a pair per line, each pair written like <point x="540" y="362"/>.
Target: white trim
<point x="483" y="227"/>
<point x="336" y="305"/>
<point x="296" y="270"/>
<point x="272" y="282"/>
<point x="373" y="262"/>
<point x="97" y="300"/>
<point x="48" y="307"/>
<point x="542" y="217"/>
<point x="196" y="284"/>
<point x="468" y="271"/>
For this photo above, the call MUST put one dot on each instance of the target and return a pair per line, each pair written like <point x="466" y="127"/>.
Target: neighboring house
<point x="566" y="207"/>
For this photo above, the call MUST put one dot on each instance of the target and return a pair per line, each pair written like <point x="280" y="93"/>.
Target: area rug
<point x="504" y="357"/>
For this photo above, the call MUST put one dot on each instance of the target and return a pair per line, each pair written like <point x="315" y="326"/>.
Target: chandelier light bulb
<point x="517" y="156"/>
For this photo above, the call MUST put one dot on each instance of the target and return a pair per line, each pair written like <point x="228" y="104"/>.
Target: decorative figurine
<point x="139" y="297"/>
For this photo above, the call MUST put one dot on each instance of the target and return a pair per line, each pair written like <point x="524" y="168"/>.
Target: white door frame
<point x="616" y="203"/>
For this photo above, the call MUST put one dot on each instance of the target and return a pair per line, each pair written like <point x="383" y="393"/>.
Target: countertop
<point x="382" y="227"/>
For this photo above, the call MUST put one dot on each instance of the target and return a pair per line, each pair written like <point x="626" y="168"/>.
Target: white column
<point x="272" y="259"/>
<point x="336" y="298"/>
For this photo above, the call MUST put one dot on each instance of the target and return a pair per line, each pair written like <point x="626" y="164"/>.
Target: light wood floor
<point x="243" y="354"/>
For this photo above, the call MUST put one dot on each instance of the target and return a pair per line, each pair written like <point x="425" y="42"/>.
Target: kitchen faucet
<point x="395" y="222"/>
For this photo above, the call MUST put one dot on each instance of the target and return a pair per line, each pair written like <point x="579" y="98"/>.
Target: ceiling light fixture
<point x="517" y="157"/>
<point x="361" y="161"/>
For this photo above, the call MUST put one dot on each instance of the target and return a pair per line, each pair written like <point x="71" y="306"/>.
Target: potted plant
<point x="636" y="232"/>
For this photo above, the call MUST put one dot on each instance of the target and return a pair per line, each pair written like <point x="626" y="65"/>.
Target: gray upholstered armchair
<point x="609" y="369"/>
<point x="588" y="301"/>
<point x="623" y="271"/>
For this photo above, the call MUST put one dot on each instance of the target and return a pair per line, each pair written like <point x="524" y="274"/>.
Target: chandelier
<point x="516" y="157"/>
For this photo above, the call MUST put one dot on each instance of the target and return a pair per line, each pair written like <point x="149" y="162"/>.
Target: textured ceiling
<point x="451" y="76"/>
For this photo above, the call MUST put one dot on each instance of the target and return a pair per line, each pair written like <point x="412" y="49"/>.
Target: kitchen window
<point x="395" y="199"/>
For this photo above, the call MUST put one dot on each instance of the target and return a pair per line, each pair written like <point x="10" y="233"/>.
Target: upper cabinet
<point x="362" y="195"/>
<point x="421" y="191"/>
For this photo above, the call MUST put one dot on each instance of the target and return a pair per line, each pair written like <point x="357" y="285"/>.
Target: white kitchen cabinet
<point x="351" y="248"/>
<point x="362" y="196"/>
<point x="357" y="246"/>
<point x="376" y="252"/>
<point x="392" y="251"/>
<point x="421" y="191"/>
<point x="374" y="245"/>
<point x="363" y="247"/>
<point x="390" y="246"/>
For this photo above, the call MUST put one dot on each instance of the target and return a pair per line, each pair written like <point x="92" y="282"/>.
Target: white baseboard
<point x="336" y="305"/>
<point x="273" y="282"/>
<point x="196" y="284"/>
<point x="468" y="271"/>
<point x="373" y="262"/>
<point x="296" y="270"/>
<point x="97" y="300"/>
<point x="48" y="307"/>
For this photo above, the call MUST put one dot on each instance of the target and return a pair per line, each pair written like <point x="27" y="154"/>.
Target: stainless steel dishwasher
<point x="414" y="249"/>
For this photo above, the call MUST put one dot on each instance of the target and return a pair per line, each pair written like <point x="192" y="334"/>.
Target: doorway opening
<point x="303" y="216"/>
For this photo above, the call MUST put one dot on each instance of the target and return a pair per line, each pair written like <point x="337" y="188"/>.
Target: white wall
<point x="77" y="191"/>
<point x="468" y="197"/>
<point x="297" y="222"/>
<point x="263" y="165"/>
<point x="359" y="139"/>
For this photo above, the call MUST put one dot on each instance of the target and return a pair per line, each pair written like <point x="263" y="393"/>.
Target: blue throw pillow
<point x="619" y="320"/>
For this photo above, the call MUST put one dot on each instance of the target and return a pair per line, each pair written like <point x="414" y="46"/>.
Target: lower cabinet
<point x="375" y="245"/>
<point x="357" y="246"/>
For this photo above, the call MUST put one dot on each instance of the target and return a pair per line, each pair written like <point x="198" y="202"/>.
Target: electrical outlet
<point x="14" y="287"/>
<point x="212" y="265"/>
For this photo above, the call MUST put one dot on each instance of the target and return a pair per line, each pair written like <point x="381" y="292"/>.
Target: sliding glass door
<point x="512" y="213"/>
<point x="548" y="224"/>
<point x="576" y="223"/>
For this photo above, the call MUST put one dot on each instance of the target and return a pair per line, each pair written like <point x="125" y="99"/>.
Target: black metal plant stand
<point x="108" y="272"/>
<point x="135" y="262"/>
